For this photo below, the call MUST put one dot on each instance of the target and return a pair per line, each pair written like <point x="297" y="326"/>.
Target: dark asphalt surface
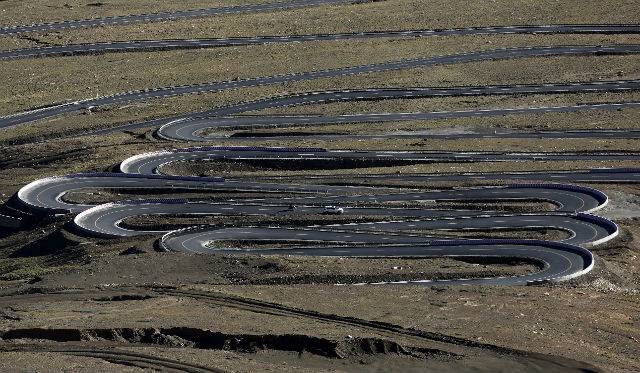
<point x="435" y="135"/>
<point x="394" y="234"/>
<point x="170" y="44"/>
<point x="46" y="195"/>
<point x="191" y="130"/>
<point x="387" y="237"/>
<point x="151" y="162"/>
<point x="559" y="261"/>
<point x="598" y="175"/>
<point x="104" y="220"/>
<point x="122" y="98"/>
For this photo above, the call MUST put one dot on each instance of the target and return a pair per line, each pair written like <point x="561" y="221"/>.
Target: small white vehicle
<point x="333" y="210"/>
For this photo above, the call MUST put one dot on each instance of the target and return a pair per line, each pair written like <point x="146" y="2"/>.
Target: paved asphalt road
<point x="166" y="16"/>
<point x="169" y="44"/>
<point x="387" y="237"/>
<point x="151" y="162"/>
<point x="397" y="229"/>
<point x="599" y="175"/>
<point x="104" y="220"/>
<point x="240" y="136"/>
<point x="191" y="130"/>
<point x="45" y="195"/>
<point x="383" y="238"/>
<point x="560" y="261"/>
<point x="195" y="129"/>
<point x="122" y="98"/>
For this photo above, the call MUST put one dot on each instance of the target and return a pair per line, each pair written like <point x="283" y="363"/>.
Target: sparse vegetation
<point x="285" y="313"/>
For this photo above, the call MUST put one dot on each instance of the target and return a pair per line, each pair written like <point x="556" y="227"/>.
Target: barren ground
<point x="69" y="302"/>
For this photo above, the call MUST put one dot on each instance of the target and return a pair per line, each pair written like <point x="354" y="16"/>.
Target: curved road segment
<point x="172" y="44"/>
<point x="153" y="162"/>
<point x="46" y="195"/>
<point x="498" y="54"/>
<point x="402" y="226"/>
<point x="598" y="175"/>
<point x="392" y="235"/>
<point x="191" y="129"/>
<point x="559" y="261"/>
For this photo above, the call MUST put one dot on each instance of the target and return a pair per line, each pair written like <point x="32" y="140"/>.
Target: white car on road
<point x="333" y="210"/>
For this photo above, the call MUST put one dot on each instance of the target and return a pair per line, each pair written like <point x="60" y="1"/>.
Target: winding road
<point x="403" y="222"/>
<point x="402" y="226"/>
<point x="190" y="129"/>
<point x="171" y="44"/>
<point x="498" y="54"/>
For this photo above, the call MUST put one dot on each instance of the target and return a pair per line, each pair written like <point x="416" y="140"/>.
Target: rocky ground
<point x="68" y="302"/>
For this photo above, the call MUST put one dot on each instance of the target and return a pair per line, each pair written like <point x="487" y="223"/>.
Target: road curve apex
<point x="128" y="165"/>
<point x="601" y="197"/>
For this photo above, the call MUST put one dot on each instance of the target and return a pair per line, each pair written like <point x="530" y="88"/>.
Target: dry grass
<point x="592" y="119"/>
<point x="138" y="112"/>
<point x="38" y="82"/>
<point x="383" y="15"/>
<point x="16" y="12"/>
<point x="452" y="103"/>
<point x="521" y="71"/>
<point x="475" y="313"/>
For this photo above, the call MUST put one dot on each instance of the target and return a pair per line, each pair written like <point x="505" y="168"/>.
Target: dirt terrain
<point x="69" y="302"/>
